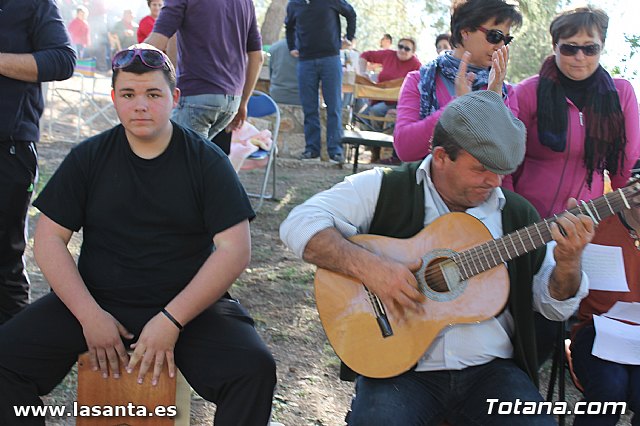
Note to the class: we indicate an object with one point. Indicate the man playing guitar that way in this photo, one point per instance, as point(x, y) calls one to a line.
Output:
point(476, 142)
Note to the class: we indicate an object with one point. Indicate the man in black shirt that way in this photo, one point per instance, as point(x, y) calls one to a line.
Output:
point(35, 48)
point(165, 233)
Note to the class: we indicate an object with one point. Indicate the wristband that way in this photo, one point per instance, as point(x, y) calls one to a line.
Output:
point(172, 319)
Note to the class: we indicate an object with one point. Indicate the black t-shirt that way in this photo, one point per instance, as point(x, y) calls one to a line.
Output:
point(148, 225)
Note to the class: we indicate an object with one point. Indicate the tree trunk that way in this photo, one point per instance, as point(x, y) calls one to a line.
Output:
point(273, 21)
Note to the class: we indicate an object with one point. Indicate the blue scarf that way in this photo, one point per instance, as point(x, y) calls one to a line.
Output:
point(448, 65)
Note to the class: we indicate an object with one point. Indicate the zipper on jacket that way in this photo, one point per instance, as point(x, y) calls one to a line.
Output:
point(580, 115)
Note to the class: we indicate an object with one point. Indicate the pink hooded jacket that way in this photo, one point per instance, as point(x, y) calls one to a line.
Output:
point(547, 178)
point(412, 135)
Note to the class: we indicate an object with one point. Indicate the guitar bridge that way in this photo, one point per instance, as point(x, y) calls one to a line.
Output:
point(381, 315)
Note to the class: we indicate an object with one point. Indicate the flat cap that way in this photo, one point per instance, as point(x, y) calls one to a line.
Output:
point(484, 127)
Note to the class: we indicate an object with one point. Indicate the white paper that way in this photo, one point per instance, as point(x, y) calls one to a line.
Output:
point(616, 341)
point(625, 311)
point(604, 266)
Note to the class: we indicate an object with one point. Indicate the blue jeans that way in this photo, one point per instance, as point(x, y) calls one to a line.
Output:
point(206, 114)
point(311, 72)
point(459, 396)
point(378, 110)
point(603, 380)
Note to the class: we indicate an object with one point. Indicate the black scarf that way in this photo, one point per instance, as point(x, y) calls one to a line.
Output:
point(605, 140)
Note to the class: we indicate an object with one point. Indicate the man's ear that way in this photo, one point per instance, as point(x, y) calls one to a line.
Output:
point(438, 154)
point(113, 95)
point(176, 97)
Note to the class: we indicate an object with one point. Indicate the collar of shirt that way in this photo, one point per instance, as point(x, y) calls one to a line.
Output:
point(435, 206)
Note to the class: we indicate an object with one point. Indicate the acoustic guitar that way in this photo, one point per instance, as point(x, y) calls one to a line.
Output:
point(463, 276)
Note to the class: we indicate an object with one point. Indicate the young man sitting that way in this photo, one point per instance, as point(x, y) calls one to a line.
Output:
point(165, 233)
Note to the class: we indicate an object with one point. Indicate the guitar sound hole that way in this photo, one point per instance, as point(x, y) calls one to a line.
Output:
point(434, 277)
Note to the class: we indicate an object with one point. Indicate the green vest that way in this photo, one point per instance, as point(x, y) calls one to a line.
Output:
point(400, 213)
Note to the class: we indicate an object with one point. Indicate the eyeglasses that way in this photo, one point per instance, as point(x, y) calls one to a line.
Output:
point(495, 36)
point(403, 47)
point(150, 57)
point(572, 50)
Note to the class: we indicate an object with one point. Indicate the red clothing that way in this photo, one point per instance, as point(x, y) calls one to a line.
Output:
point(611, 232)
point(145, 28)
point(79, 32)
point(392, 67)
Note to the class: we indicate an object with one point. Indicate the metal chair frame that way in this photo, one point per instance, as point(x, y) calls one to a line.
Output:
point(87, 92)
point(262, 105)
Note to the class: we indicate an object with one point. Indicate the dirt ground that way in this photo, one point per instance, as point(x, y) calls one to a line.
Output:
point(277, 289)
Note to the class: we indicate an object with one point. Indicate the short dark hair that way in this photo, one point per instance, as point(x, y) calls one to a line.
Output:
point(472, 13)
point(442, 138)
point(410, 40)
point(388, 37)
point(138, 67)
point(570, 22)
point(440, 37)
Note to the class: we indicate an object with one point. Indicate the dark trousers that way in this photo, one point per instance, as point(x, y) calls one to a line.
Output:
point(223, 140)
point(603, 381)
point(219, 353)
point(459, 396)
point(18, 165)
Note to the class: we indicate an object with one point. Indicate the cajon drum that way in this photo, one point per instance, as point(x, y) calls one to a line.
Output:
point(126, 395)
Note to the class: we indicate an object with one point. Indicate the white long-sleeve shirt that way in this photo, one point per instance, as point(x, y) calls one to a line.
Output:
point(349, 207)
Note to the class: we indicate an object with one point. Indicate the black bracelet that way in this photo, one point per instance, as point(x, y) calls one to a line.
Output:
point(173, 320)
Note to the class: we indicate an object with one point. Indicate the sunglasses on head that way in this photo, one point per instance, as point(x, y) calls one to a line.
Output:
point(495, 36)
point(572, 50)
point(150, 58)
point(404, 47)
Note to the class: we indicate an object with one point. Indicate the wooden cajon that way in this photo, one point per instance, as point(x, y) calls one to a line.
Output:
point(94, 390)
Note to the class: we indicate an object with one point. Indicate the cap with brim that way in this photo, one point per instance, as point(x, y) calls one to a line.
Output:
point(481, 124)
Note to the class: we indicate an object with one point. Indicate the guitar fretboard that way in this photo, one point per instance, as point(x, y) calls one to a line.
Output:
point(485, 256)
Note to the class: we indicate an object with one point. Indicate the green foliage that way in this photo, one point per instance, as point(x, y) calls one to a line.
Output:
point(375, 18)
point(400, 18)
point(623, 70)
point(533, 41)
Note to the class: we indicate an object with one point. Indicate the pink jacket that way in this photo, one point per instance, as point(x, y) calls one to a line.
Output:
point(547, 178)
point(412, 135)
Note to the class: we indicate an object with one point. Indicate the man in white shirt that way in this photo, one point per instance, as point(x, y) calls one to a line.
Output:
point(476, 142)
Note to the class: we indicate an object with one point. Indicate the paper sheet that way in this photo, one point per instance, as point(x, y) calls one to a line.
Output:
point(625, 311)
point(604, 266)
point(616, 341)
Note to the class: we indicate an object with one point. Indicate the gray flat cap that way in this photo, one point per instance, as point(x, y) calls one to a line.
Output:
point(484, 127)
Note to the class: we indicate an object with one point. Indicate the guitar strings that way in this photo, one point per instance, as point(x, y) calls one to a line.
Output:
point(476, 254)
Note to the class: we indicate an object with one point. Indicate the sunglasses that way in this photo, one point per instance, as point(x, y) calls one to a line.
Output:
point(403, 47)
point(572, 50)
point(495, 36)
point(150, 58)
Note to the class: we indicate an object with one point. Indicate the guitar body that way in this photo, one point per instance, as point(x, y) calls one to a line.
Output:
point(349, 319)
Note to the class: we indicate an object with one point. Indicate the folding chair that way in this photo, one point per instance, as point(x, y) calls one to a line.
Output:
point(362, 130)
point(261, 105)
point(89, 88)
point(388, 91)
point(562, 362)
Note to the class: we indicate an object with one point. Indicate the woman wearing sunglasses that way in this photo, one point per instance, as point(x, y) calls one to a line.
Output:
point(479, 35)
point(580, 121)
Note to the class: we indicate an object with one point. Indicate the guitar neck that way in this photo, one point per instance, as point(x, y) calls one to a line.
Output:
point(485, 256)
